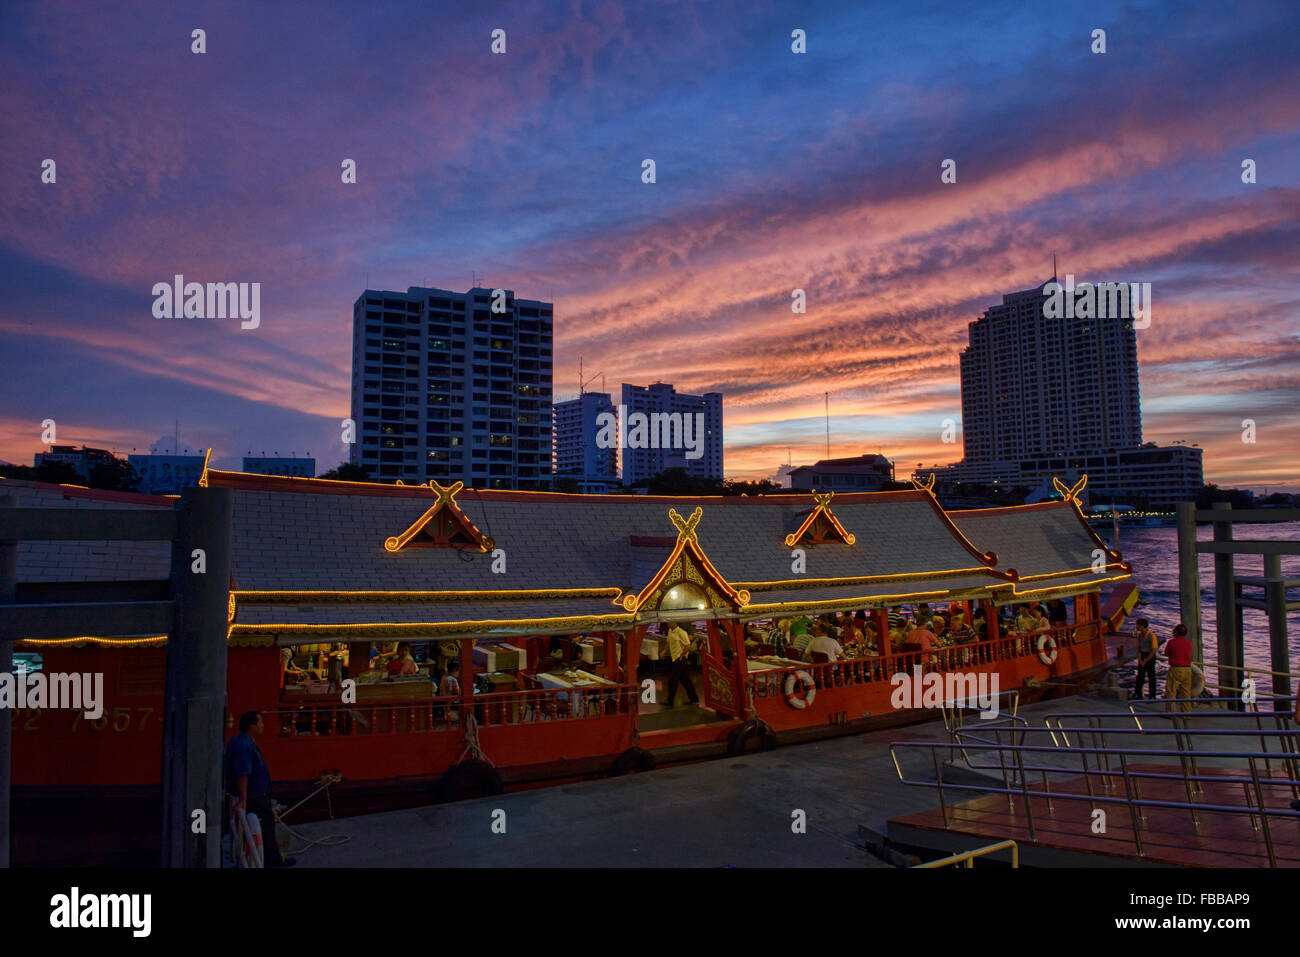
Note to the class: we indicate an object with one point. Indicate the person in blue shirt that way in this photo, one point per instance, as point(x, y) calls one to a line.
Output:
point(249, 780)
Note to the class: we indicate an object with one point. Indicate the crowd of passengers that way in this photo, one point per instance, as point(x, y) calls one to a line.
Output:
point(854, 634)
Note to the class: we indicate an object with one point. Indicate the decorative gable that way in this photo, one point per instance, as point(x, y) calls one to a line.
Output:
point(687, 579)
point(442, 526)
point(820, 526)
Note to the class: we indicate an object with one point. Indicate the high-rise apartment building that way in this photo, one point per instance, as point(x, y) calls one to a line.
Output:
point(658, 403)
point(453, 386)
point(1048, 396)
point(579, 453)
point(1038, 386)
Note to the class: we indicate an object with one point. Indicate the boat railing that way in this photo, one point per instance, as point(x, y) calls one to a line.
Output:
point(313, 719)
point(1119, 783)
point(946, 658)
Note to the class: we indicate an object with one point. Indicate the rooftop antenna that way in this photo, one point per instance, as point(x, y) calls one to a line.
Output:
point(1053, 265)
point(583, 382)
point(828, 425)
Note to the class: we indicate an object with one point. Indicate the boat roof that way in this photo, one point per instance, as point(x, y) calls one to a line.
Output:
point(314, 559)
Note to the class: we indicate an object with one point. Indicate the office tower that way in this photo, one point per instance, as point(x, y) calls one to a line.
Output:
point(452, 386)
point(656, 402)
point(578, 454)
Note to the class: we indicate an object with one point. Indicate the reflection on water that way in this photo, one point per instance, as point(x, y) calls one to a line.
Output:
point(1154, 554)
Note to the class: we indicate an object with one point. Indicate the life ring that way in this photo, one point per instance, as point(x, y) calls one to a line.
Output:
point(469, 779)
point(739, 738)
point(1046, 649)
point(796, 682)
point(1198, 681)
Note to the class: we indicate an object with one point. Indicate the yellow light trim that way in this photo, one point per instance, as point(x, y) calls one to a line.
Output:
point(1073, 571)
point(446, 499)
point(927, 487)
point(822, 508)
point(865, 580)
point(773, 607)
point(686, 540)
point(92, 640)
point(203, 476)
point(291, 597)
point(1078, 587)
point(362, 629)
point(1070, 493)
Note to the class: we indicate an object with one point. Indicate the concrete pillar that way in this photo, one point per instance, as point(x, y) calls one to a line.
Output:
point(194, 701)
point(1189, 576)
point(1275, 599)
point(1231, 654)
point(8, 594)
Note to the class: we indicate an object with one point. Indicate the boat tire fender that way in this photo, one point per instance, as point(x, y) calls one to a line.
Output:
point(739, 738)
point(633, 759)
point(469, 779)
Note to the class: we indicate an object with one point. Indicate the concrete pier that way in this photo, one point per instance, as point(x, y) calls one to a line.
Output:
point(732, 812)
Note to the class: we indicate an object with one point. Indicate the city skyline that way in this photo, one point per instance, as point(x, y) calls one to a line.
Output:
point(775, 171)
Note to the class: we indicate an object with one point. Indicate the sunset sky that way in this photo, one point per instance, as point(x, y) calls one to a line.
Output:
point(775, 171)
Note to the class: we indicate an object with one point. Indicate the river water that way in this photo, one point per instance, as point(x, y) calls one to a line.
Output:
point(1153, 553)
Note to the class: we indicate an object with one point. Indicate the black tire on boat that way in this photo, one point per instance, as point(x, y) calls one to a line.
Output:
point(740, 737)
point(633, 759)
point(469, 779)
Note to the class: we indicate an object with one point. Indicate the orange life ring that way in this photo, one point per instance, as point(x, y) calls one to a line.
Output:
point(1046, 649)
point(800, 691)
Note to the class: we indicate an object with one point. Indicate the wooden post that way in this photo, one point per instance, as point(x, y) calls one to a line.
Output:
point(8, 594)
point(1231, 654)
point(466, 679)
point(194, 702)
point(882, 633)
point(1189, 577)
point(611, 655)
point(1275, 599)
point(991, 630)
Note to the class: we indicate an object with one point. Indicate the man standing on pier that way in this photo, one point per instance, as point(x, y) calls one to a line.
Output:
point(248, 780)
point(1178, 683)
point(1146, 660)
point(679, 647)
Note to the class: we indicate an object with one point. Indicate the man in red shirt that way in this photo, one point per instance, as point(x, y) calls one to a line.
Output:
point(1178, 683)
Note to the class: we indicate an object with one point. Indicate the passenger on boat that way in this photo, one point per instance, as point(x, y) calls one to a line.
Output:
point(1041, 622)
point(1056, 612)
point(1024, 621)
point(450, 684)
point(402, 663)
point(291, 674)
point(979, 626)
point(781, 637)
point(923, 613)
point(799, 642)
point(679, 647)
point(823, 643)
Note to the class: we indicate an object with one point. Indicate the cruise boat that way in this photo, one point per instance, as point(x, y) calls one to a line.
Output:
point(554, 608)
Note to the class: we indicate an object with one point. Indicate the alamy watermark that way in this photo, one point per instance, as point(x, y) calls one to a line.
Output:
point(1103, 300)
point(953, 689)
point(653, 430)
point(77, 910)
point(215, 300)
point(54, 690)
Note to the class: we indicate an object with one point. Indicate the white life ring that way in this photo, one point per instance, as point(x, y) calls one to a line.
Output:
point(1046, 649)
point(798, 681)
point(1198, 680)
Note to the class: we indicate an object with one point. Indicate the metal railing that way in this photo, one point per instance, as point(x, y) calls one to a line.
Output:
point(1111, 768)
point(967, 858)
